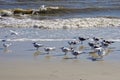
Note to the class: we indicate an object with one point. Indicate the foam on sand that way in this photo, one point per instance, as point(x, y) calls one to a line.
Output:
point(71, 23)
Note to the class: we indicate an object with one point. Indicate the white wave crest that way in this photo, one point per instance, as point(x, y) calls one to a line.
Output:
point(37, 39)
point(27, 39)
point(60, 23)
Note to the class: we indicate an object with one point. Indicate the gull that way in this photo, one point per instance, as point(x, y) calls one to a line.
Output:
point(96, 40)
point(65, 50)
point(93, 45)
point(1, 17)
point(100, 51)
point(72, 43)
point(81, 39)
point(43, 8)
point(6, 45)
point(37, 45)
point(48, 49)
point(13, 32)
point(106, 43)
point(109, 42)
point(76, 53)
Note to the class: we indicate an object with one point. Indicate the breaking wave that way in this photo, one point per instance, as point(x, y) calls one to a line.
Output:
point(71, 23)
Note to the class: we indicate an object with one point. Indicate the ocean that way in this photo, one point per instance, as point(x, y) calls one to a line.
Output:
point(74, 8)
point(85, 18)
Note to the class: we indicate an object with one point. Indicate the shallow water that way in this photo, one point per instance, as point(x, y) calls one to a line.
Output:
point(22, 48)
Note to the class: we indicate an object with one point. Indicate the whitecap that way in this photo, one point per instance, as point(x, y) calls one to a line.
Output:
point(72, 23)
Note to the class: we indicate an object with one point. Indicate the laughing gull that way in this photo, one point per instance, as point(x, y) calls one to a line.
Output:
point(93, 45)
point(108, 42)
point(6, 45)
point(48, 49)
point(100, 51)
point(37, 45)
point(76, 53)
point(81, 39)
point(65, 50)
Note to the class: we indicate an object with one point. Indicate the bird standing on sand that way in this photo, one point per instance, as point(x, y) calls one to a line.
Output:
point(65, 50)
point(37, 45)
point(109, 42)
point(93, 45)
point(72, 43)
point(48, 49)
point(6, 45)
point(76, 53)
point(95, 39)
point(81, 39)
point(100, 51)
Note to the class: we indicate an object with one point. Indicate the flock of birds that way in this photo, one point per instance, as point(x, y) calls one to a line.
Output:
point(98, 46)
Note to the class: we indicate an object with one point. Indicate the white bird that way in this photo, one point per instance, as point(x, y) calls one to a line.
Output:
point(1, 17)
point(6, 45)
point(95, 39)
point(43, 8)
point(48, 49)
point(100, 51)
point(72, 43)
point(76, 53)
point(37, 45)
point(13, 32)
point(65, 50)
point(81, 39)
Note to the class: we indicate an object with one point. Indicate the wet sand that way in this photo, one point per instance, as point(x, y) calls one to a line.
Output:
point(45, 70)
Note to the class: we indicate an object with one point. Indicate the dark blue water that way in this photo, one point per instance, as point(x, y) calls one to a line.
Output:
point(76, 8)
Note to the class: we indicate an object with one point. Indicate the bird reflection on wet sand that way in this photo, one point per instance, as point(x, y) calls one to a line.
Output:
point(6, 50)
point(95, 57)
point(37, 53)
point(48, 57)
point(81, 47)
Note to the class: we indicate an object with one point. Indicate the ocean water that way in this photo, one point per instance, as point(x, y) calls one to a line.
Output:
point(72, 14)
point(99, 17)
point(73, 8)
point(22, 47)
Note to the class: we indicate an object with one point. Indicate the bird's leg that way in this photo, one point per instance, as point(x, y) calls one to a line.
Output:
point(65, 53)
point(75, 57)
point(48, 52)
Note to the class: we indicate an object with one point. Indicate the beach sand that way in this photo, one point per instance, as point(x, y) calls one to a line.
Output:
point(64, 70)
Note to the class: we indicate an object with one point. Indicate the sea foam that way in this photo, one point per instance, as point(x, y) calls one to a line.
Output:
point(71, 23)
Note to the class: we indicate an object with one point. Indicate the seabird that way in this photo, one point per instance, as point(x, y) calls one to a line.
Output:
point(43, 8)
point(93, 45)
point(72, 43)
point(100, 51)
point(95, 39)
point(76, 53)
point(13, 32)
point(81, 39)
point(65, 50)
point(48, 49)
point(6, 45)
point(37, 45)
point(108, 42)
